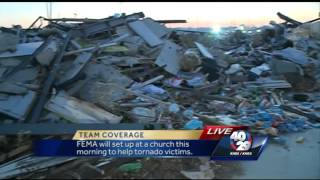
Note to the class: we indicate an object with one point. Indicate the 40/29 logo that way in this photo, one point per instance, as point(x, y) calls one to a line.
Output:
point(240, 140)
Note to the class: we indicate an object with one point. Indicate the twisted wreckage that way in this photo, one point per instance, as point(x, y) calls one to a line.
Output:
point(132, 72)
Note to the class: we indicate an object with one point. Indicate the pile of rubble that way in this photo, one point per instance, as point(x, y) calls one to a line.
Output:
point(133, 69)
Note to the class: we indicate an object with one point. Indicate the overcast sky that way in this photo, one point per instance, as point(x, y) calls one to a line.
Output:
point(201, 14)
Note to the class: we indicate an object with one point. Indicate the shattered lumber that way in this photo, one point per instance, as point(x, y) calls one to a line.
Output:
point(49, 82)
point(139, 94)
point(89, 49)
point(78, 111)
point(269, 84)
point(18, 106)
point(78, 64)
point(29, 164)
point(90, 20)
point(90, 29)
point(67, 128)
point(171, 21)
point(288, 19)
point(150, 81)
point(91, 71)
point(295, 110)
point(146, 33)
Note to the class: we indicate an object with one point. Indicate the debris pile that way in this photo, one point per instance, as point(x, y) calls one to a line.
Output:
point(133, 69)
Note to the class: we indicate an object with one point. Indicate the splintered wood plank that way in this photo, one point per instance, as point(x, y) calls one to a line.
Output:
point(79, 111)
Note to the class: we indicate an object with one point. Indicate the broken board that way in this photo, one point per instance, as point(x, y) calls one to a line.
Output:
point(29, 164)
point(18, 106)
point(204, 51)
point(143, 31)
point(157, 28)
point(78, 111)
point(293, 55)
point(103, 94)
point(23, 49)
point(12, 88)
point(107, 74)
point(268, 83)
point(78, 64)
point(170, 57)
point(47, 54)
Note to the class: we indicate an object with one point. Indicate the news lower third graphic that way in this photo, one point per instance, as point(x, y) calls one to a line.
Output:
point(216, 142)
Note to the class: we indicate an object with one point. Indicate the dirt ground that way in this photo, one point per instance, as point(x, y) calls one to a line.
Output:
point(292, 161)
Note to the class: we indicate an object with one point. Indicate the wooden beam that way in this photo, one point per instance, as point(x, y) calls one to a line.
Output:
point(79, 111)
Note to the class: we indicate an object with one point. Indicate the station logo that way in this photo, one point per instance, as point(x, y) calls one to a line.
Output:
point(235, 142)
point(240, 140)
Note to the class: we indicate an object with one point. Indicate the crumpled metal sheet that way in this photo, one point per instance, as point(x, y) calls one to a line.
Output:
point(29, 163)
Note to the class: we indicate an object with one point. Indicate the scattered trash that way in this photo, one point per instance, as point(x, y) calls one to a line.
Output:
point(194, 174)
point(260, 69)
point(315, 125)
point(280, 140)
point(174, 108)
point(173, 82)
point(188, 113)
point(300, 139)
point(272, 131)
point(301, 97)
point(130, 167)
point(143, 115)
point(222, 106)
point(193, 124)
point(227, 120)
point(197, 81)
point(205, 173)
point(152, 89)
point(190, 60)
point(134, 69)
point(234, 68)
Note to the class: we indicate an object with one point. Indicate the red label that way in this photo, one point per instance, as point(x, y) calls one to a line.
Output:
point(217, 132)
